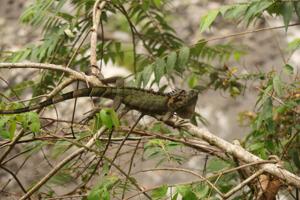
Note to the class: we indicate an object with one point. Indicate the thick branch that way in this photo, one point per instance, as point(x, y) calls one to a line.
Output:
point(77, 75)
point(240, 153)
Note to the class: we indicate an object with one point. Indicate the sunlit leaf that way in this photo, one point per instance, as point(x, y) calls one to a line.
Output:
point(33, 121)
point(208, 19)
point(183, 56)
point(147, 72)
point(159, 69)
point(171, 61)
point(106, 119)
point(160, 193)
point(288, 69)
point(287, 13)
point(277, 84)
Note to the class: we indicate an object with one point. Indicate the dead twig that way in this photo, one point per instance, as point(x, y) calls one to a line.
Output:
point(98, 6)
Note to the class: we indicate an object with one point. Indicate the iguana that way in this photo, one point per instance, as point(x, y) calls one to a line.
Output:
point(146, 101)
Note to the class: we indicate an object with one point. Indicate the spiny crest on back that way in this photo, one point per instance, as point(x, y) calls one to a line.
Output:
point(175, 92)
point(149, 91)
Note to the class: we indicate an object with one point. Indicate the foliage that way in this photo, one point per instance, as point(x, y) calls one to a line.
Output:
point(156, 56)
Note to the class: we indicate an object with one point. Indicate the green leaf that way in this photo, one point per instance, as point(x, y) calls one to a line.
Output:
point(281, 109)
point(98, 122)
point(186, 192)
point(114, 118)
point(208, 19)
point(106, 119)
point(193, 81)
point(255, 9)
point(147, 72)
point(33, 121)
point(160, 193)
point(171, 61)
point(266, 94)
point(3, 121)
point(293, 45)
point(159, 69)
point(288, 69)
point(296, 158)
point(109, 118)
point(61, 178)
point(237, 55)
point(157, 2)
point(278, 86)
point(97, 194)
point(101, 190)
point(256, 146)
point(270, 146)
point(183, 56)
point(175, 196)
point(266, 113)
point(4, 134)
point(216, 165)
point(138, 79)
point(59, 148)
point(287, 13)
point(234, 12)
point(12, 128)
point(297, 8)
point(267, 109)
point(224, 9)
point(202, 190)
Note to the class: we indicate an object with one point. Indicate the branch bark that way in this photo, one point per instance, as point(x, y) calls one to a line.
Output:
point(238, 152)
point(75, 74)
point(95, 70)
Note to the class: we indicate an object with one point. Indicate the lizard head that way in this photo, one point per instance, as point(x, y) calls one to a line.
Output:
point(184, 103)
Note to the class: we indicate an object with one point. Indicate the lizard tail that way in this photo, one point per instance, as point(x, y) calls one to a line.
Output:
point(56, 99)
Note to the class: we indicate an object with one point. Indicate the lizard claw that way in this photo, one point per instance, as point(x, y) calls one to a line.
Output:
point(174, 121)
point(180, 122)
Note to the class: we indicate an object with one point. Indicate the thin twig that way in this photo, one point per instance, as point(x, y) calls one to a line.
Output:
point(277, 99)
point(242, 184)
point(196, 144)
point(12, 89)
point(15, 177)
point(62, 164)
point(206, 179)
point(75, 52)
point(130, 167)
point(96, 19)
point(248, 32)
point(60, 87)
point(12, 144)
point(74, 110)
point(127, 135)
point(88, 148)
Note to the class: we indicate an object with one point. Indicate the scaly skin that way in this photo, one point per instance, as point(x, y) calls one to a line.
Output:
point(145, 101)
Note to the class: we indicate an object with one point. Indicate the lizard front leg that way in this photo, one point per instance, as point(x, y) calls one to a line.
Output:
point(172, 120)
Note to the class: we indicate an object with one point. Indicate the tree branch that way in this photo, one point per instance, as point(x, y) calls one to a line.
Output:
point(236, 151)
point(96, 19)
point(77, 75)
